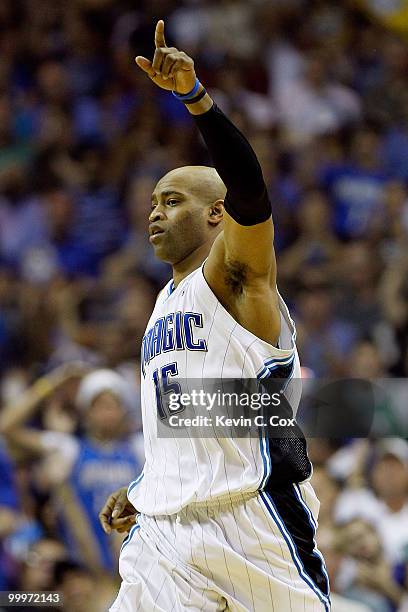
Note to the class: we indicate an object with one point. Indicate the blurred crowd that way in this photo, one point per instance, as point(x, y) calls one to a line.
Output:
point(320, 89)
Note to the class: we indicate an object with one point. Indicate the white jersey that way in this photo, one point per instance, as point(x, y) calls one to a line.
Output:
point(192, 336)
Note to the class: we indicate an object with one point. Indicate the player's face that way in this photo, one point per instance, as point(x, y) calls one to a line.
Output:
point(178, 220)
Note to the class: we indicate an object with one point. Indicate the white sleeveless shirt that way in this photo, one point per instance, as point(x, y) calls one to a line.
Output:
point(190, 335)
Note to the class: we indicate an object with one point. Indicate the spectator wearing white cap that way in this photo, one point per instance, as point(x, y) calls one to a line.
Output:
point(80, 471)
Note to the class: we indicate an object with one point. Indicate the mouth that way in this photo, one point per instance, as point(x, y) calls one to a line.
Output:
point(155, 234)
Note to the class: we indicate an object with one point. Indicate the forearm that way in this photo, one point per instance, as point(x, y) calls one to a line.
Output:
point(17, 414)
point(390, 589)
point(247, 199)
point(236, 163)
point(7, 521)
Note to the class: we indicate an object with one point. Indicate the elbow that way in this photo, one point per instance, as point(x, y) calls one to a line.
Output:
point(248, 209)
point(7, 427)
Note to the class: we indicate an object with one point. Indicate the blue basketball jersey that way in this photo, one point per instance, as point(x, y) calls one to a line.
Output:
point(98, 471)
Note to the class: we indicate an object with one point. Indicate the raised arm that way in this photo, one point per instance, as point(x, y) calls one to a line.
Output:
point(15, 416)
point(241, 268)
point(248, 229)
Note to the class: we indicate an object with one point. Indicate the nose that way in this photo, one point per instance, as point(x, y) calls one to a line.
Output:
point(157, 214)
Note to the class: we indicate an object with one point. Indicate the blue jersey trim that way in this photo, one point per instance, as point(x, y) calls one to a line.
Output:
point(266, 458)
point(272, 510)
point(270, 365)
point(134, 483)
point(129, 536)
point(171, 287)
point(313, 524)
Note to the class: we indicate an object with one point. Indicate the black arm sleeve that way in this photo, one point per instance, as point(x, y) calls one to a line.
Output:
point(247, 198)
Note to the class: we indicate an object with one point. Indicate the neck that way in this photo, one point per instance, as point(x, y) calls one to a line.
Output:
point(102, 438)
point(190, 263)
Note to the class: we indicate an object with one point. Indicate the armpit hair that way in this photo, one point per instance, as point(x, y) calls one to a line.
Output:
point(235, 276)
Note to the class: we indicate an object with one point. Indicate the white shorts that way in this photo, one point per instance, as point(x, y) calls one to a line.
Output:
point(257, 554)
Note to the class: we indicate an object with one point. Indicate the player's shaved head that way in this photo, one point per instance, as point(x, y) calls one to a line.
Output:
point(203, 182)
point(187, 210)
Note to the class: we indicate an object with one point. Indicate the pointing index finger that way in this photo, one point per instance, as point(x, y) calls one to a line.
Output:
point(159, 39)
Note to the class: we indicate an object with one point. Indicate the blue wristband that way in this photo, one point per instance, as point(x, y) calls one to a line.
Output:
point(189, 95)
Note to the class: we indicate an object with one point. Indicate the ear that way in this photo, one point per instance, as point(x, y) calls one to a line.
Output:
point(216, 213)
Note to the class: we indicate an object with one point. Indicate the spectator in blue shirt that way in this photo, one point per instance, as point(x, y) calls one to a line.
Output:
point(8, 511)
point(357, 187)
point(79, 472)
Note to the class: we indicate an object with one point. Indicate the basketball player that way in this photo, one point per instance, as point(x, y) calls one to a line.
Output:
point(222, 523)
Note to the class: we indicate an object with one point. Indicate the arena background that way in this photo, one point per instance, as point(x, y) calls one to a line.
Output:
point(321, 90)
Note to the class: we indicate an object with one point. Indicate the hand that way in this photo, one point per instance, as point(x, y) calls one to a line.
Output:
point(118, 513)
point(50, 383)
point(378, 576)
point(68, 371)
point(374, 574)
point(170, 69)
point(9, 521)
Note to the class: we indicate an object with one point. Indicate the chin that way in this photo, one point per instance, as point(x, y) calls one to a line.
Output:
point(163, 255)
